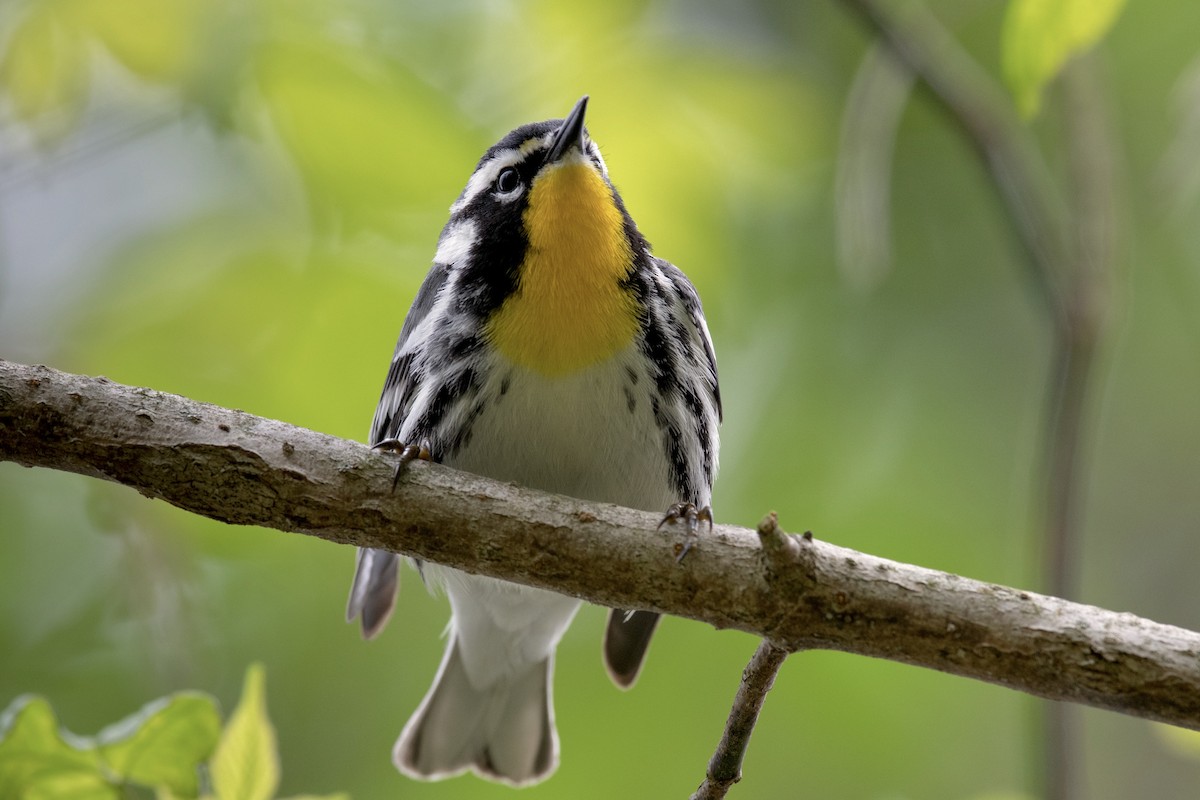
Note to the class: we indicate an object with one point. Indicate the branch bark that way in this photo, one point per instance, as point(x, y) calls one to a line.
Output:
point(799, 593)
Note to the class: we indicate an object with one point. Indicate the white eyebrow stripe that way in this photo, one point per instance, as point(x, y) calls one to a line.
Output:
point(486, 175)
point(483, 178)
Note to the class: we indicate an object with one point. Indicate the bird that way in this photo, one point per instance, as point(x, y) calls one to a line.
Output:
point(547, 346)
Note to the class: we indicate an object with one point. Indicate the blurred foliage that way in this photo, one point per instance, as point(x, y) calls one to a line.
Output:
point(237, 199)
point(245, 763)
point(1040, 37)
point(162, 747)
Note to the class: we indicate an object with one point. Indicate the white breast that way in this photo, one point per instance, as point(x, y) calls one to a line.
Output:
point(590, 434)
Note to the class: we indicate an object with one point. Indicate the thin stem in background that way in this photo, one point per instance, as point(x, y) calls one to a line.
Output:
point(985, 114)
point(1090, 177)
point(1069, 254)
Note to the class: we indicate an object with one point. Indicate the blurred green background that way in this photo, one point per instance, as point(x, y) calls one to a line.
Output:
point(236, 201)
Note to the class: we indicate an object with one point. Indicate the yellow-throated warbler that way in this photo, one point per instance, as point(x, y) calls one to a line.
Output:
point(547, 346)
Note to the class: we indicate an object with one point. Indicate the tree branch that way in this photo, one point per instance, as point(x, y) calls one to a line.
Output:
point(242, 469)
point(725, 766)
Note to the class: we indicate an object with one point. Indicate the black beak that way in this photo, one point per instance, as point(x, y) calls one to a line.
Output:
point(570, 135)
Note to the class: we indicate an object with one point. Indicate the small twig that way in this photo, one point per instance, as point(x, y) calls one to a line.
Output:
point(781, 553)
point(725, 766)
point(780, 550)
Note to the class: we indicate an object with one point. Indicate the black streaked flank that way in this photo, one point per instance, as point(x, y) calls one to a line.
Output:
point(672, 441)
point(692, 401)
point(461, 346)
point(394, 408)
point(681, 474)
point(706, 446)
point(690, 298)
point(423, 303)
point(456, 388)
point(462, 436)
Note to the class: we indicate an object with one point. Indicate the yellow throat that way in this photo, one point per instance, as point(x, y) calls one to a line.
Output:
point(569, 310)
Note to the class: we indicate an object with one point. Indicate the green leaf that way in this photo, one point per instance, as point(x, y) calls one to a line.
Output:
point(1040, 36)
point(38, 763)
point(338, 796)
point(42, 71)
point(159, 41)
point(246, 764)
point(163, 744)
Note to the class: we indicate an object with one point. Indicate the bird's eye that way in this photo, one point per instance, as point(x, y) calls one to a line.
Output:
point(508, 181)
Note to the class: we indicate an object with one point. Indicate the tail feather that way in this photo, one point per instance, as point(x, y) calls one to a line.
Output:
point(625, 641)
point(504, 731)
point(373, 592)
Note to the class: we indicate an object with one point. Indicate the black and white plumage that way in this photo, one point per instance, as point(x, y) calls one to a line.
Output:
point(635, 426)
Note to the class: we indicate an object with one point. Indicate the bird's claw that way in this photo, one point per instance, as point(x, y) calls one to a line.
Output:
point(406, 453)
point(692, 517)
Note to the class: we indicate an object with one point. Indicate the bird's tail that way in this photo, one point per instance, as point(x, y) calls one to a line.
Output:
point(373, 593)
point(505, 732)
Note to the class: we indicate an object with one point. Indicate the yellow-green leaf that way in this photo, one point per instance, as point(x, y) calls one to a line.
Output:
point(42, 70)
point(36, 760)
point(159, 40)
point(246, 763)
point(164, 743)
point(1040, 36)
